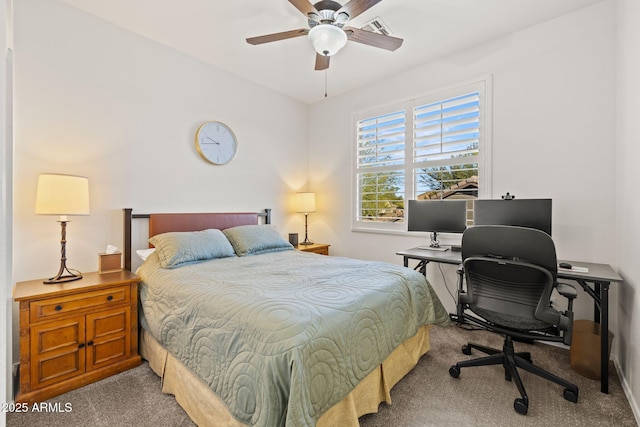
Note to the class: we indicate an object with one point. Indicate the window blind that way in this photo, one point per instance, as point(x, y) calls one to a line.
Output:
point(381, 149)
point(446, 141)
point(428, 148)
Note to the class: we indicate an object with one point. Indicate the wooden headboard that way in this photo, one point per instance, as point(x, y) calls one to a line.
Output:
point(166, 222)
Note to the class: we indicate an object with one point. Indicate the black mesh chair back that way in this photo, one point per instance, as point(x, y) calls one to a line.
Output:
point(507, 277)
point(525, 244)
point(511, 272)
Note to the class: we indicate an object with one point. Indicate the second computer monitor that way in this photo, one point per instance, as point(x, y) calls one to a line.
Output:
point(531, 213)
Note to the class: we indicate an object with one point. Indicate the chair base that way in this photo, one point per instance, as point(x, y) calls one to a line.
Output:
point(511, 360)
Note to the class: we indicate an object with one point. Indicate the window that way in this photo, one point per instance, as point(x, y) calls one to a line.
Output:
point(435, 147)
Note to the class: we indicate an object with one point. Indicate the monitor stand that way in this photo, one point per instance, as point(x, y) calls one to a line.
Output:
point(434, 244)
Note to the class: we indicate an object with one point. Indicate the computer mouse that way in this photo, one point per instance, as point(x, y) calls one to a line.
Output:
point(565, 265)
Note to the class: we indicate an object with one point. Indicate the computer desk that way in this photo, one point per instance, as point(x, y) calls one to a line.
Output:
point(595, 283)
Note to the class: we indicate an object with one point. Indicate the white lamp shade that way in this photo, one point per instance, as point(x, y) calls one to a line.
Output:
point(305, 202)
point(62, 195)
point(327, 39)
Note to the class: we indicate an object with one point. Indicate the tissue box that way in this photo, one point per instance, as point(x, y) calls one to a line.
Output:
point(109, 263)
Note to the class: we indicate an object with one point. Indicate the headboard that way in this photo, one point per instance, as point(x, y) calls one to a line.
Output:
point(166, 222)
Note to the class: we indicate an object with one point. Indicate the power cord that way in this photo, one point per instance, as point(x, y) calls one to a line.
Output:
point(464, 325)
point(444, 279)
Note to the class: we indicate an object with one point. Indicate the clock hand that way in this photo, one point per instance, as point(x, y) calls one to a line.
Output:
point(214, 141)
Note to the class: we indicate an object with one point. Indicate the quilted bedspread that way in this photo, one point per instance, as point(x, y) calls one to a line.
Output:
point(281, 337)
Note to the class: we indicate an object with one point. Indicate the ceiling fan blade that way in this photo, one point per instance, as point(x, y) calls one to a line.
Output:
point(373, 39)
point(304, 6)
point(278, 36)
point(356, 7)
point(322, 62)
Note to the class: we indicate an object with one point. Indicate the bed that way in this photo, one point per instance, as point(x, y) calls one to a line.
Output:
point(246, 331)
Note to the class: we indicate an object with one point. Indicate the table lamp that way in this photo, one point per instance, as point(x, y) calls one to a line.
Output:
point(306, 203)
point(62, 195)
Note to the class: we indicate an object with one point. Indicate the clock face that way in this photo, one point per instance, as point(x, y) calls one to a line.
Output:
point(216, 143)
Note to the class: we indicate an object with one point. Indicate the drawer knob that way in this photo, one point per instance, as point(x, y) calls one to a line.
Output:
point(109, 298)
point(90, 343)
point(58, 307)
point(81, 345)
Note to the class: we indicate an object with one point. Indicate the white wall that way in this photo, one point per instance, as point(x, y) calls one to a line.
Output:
point(627, 201)
point(553, 136)
point(93, 99)
point(5, 203)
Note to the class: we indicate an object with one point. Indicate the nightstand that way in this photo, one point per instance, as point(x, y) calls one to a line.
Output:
point(316, 248)
point(75, 333)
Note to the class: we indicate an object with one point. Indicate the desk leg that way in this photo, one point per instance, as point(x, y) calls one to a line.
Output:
point(597, 288)
point(600, 295)
point(604, 337)
point(423, 268)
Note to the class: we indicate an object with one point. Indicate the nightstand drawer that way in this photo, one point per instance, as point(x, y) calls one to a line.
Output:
point(322, 251)
point(50, 308)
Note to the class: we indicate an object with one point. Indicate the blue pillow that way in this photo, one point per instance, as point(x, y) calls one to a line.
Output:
point(178, 248)
point(256, 239)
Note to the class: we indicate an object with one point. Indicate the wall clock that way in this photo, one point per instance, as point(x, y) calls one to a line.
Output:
point(216, 143)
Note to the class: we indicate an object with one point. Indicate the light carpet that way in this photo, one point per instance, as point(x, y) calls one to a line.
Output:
point(427, 396)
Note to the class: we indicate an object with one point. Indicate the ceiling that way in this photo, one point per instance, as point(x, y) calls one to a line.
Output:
point(214, 31)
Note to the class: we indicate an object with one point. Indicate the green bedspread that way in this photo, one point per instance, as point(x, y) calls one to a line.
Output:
point(282, 337)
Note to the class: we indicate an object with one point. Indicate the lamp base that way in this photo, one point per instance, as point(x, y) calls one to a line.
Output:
point(62, 279)
point(306, 237)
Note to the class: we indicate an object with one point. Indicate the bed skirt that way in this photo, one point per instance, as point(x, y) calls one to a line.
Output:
point(207, 409)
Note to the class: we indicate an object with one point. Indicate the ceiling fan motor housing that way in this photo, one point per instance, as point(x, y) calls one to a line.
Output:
point(327, 14)
point(327, 5)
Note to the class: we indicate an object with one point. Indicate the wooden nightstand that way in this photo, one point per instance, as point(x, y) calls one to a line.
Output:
point(316, 248)
point(75, 333)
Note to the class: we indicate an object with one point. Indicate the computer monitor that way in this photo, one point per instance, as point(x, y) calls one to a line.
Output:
point(437, 216)
point(531, 213)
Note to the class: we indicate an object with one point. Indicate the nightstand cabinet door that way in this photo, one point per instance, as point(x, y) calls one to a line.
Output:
point(108, 340)
point(57, 351)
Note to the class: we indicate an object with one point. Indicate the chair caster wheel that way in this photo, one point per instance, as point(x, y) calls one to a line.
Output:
point(520, 406)
point(466, 349)
point(454, 371)
point(570, 395)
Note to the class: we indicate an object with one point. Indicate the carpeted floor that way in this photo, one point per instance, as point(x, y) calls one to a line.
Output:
point(428, 396)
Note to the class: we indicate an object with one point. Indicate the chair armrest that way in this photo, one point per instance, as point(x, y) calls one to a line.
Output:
point(462, 295)
point(570, 293)
point(566, 290)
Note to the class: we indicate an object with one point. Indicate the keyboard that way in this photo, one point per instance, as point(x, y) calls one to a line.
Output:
point(429, 248)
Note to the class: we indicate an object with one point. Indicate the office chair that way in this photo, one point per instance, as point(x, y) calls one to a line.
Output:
point(510, 273)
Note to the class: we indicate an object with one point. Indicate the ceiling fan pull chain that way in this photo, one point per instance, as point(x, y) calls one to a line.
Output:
point(325, 82)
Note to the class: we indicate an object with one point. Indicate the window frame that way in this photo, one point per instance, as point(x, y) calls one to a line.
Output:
point(481, 85)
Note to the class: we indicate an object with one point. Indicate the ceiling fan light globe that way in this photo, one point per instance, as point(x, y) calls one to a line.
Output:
point(327, 39)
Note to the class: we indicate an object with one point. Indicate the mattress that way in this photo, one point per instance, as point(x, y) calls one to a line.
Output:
point(281, 338)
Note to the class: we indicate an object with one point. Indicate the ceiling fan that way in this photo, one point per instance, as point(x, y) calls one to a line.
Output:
point(327, 30)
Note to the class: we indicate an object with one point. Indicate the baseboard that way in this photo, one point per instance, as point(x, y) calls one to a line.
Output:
point(627, 391)
point(635, 408)
point(16, 380)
